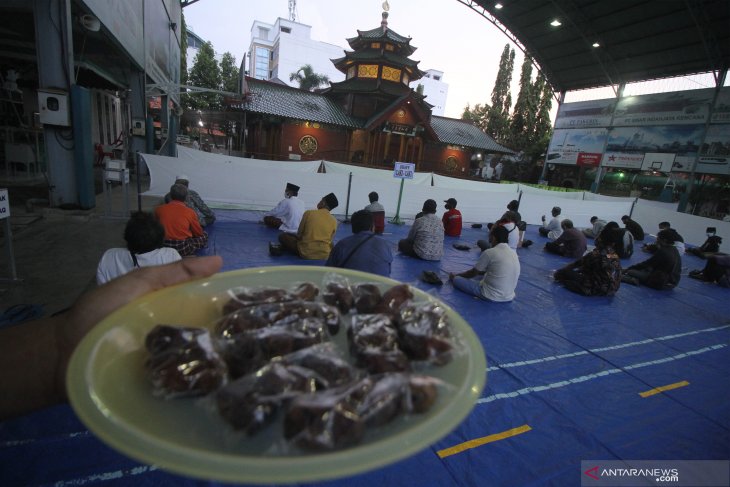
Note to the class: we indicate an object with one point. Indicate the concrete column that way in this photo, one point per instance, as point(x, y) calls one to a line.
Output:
point(54, 48)
point(138, 109)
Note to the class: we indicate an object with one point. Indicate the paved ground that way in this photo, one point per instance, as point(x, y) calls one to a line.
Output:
point(57, 251)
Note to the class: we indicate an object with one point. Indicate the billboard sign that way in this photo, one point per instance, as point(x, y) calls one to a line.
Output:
point(594, 113)
point(567, 144)
point(675, 108)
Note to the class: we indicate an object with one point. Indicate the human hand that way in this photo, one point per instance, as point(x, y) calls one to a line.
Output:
point(34, 356)
point(95, 305)
point(543, 218)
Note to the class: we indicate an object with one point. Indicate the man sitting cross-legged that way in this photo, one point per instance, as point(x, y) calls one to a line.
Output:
point(182, 228)
point(313, 240)
point(499, 266)
point(364, 250)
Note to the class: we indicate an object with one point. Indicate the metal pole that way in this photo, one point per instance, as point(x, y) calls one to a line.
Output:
point(599, 170)
point(9, 248)
point(139, 182)
point(682, 207)
point(396, 219)
point(347, 205)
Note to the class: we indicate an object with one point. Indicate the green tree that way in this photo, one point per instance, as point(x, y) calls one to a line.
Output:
point(543, 126)
point(229, 73)
point(205, 73)
point(499, 113)
point(308, 79)
point(477, 115)
point(523, 117)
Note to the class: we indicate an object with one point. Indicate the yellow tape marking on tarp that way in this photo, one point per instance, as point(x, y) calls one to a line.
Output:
point(676, 385)
point(447, 452)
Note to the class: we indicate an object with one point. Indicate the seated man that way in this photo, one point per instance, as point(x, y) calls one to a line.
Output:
point(451, 219)
point(595, 230)
point(205, 215)
point(661, 270)
point(378, 212)
point(598, 273)
point(182, 228)
point(676, 238)
point(512, 214)
point(717, 269)
point(620, 239)
point(500, 267)
point(633, 227)
point(313, 240)
point(364, 250)
point(570, 243)
point(710, 247)
point(286, 215)
point(514, 234)
point(144, 236)
point(425, 240)
point(552, 229)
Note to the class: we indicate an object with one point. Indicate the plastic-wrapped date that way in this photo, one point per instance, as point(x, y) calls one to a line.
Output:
point(423, 332)
point(183, 362)
point(263, 315)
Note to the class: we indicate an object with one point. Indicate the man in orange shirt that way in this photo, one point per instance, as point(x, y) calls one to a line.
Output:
point(182, 228)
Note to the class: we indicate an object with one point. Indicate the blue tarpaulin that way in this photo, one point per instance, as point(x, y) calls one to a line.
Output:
point(642, 375)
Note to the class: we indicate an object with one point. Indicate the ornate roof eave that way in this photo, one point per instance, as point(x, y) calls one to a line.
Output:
point(421, 111)
point(377, 34)
point(369, 86)
point(390, 57)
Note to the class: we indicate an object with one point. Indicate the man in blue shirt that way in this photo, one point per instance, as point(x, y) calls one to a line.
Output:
point(363, 251)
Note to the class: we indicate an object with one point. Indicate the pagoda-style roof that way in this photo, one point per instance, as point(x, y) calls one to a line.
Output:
point(370, 86)
point(461, 132)
point(382, 34)
point(414, 102)
point(273, 99)
point(287, 102)
point(373, 55)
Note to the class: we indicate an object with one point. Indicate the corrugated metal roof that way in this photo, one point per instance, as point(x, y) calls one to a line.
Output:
point(285, 101)
point(460, 132)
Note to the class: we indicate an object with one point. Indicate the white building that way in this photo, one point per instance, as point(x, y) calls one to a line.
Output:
point(280, 49)
point(434, 89)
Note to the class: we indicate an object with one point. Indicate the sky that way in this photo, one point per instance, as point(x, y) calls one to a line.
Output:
point(450, 36)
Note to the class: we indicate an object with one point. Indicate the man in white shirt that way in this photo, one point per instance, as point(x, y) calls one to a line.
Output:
point(287, 215)
point(552, 229)
point(500, 268)
point(144, 236)
point(498, 171)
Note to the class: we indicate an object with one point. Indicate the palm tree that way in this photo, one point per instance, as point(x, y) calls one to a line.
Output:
point(308, 79)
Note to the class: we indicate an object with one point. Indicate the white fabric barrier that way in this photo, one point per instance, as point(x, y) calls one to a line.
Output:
point(221, 182)
point(419, 178)
point(563, 195)
point(460, 184)
point(259, 185)
point(199, 156)
point(692, 228)
point(588, 196)
point(533, 206)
